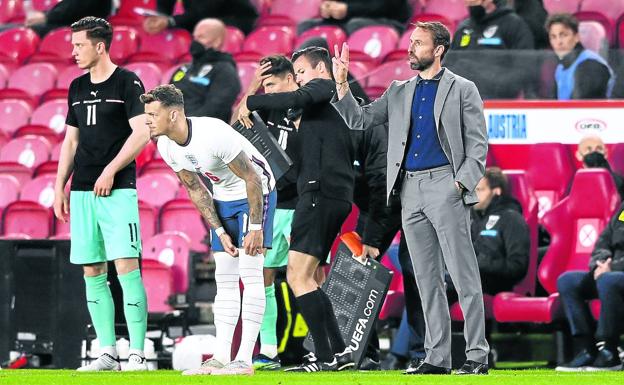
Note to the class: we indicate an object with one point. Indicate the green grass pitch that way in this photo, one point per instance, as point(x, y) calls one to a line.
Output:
point(169, 377)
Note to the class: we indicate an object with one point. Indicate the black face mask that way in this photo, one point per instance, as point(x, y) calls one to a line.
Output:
point(597, 160)
point(477, 12)
point(197, 49)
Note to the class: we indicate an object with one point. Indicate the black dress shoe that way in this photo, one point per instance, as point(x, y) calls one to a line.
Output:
point(473, 367)
point(425, 368)
point(414, 364)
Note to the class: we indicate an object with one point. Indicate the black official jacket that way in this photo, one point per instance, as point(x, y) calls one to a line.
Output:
point(68, 11)
point(610, 244)
point(500, 237)
point(502, 29)
point(327, 152)
point(209, 84)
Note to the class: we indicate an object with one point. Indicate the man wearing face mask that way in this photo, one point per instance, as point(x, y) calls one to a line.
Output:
point(593, 153)
point(210, 83)
point(581, 73)
point(495, 34)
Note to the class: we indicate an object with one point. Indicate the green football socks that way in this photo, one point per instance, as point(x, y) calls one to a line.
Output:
point(268, 330)
point(135, 307)
point(101, 309)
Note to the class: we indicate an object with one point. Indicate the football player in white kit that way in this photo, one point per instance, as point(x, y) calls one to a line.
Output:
point(240, 215)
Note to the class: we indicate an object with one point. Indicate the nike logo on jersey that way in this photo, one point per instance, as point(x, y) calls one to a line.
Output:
point(134, 304)
point(97, 301)
point(94, 93)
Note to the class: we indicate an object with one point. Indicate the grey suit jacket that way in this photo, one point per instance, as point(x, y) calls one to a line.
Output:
point(458, 113)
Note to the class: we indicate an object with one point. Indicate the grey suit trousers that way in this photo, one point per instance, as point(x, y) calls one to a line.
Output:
point(437, 229)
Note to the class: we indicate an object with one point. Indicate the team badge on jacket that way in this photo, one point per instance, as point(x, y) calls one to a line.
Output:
point(492, 220)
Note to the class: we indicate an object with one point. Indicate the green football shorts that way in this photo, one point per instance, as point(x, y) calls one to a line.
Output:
point(277, 256)
point(104, 228)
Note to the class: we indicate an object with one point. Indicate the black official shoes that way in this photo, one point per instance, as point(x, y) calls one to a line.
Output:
point(368, 363)
point(425, 368)
point(605, 360)
point(473, 367)
point(344, 360)
point(579, 363)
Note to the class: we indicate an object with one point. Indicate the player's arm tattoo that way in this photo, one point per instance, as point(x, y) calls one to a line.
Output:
point(242, 167)
point(201, 197)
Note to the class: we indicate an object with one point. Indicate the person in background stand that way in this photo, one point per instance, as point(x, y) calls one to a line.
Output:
point(210, 83)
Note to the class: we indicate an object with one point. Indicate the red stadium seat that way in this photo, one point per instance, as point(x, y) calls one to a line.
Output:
point(616, 158)
point(20, 172)
point(38, 130)
point(181, 215)
point(9, 10)
point(360, 72)
point(44, 5)
point(9, 190)
point(55, 47)
point(594, 35)
point(40, 190)
point(157, 189)
point(612, 9)
point(3, 139)
point(15, 113)
point(168, 74)
point(267, 41)
point(66, 76)
point(519, 189)
point(171, 249)
point(46, 168)
point(158, 281)
point(549, 183)
point(56, 151)
point(246, 70)
point(574, 226)
point(125, 44)
point(381, 77)
point(290, 12)
point(334, 36)
point(125, 14)
point(156, 166)
point(372, 43)
point(149, 73)
point(183, 193)
point(17, 44)
point(395, 298)
point(562, 6)
point(164, 48)
point(400, 53)
point(26, 217)
point(32, 80)
point(4, 75)
point(29, 151)
point(454, 10)
point(51, 114)
point(234, 39)
point(146, 154)
point(148, 217)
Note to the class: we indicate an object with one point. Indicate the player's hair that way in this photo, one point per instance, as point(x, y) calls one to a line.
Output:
point(315, 55)
point(439, 33)
point(280, 65)
point(497, 179)
point(167, 94)
point(98, 30)
point(566, 19)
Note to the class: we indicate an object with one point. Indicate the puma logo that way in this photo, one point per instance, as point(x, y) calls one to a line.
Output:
point(134, 247)
point(134, 304)
point(138, 83)
point(94, 93)
point(97, 301)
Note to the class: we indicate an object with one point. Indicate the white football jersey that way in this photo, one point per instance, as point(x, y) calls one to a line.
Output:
point(211, 145)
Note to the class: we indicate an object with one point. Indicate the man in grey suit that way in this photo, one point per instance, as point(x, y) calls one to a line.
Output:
point(436, 156)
